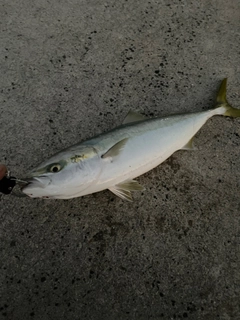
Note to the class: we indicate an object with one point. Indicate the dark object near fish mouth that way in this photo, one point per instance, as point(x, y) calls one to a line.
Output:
point(7, 184)
point(13, 186)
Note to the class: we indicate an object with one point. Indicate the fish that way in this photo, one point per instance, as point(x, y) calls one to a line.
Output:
point(113, 160)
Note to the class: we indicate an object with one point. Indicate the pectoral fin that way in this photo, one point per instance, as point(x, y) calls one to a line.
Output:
point(189, 145)
point(123, 190)
point(115, 150)
point(133, 117)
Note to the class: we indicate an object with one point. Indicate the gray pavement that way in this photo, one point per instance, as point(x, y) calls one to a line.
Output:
point(73, 69)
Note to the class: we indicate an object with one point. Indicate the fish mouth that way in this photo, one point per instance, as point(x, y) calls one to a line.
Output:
point(35, 182)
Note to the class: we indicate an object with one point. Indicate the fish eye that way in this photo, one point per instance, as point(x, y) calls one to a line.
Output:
point(55, 168)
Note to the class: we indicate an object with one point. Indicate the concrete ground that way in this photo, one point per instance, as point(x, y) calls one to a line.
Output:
point(72, 69)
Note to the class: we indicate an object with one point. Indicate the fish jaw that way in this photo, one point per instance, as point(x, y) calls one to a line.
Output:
point(36, 186)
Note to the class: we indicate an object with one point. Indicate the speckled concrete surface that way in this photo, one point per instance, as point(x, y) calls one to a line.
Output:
point(72, 69)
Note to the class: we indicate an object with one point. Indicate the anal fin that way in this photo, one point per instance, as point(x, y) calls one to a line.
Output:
point(123, 190)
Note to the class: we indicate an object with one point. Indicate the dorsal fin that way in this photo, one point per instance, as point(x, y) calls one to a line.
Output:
point(133, 117)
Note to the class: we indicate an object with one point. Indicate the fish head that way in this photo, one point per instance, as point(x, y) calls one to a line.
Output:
point(63, 176)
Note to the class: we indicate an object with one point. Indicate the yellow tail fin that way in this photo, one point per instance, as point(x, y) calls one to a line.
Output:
point(222, 101)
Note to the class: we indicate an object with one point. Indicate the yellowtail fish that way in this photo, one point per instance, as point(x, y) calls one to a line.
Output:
point(114, 159)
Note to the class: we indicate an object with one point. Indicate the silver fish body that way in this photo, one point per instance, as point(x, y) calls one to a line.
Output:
point(114, 159)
